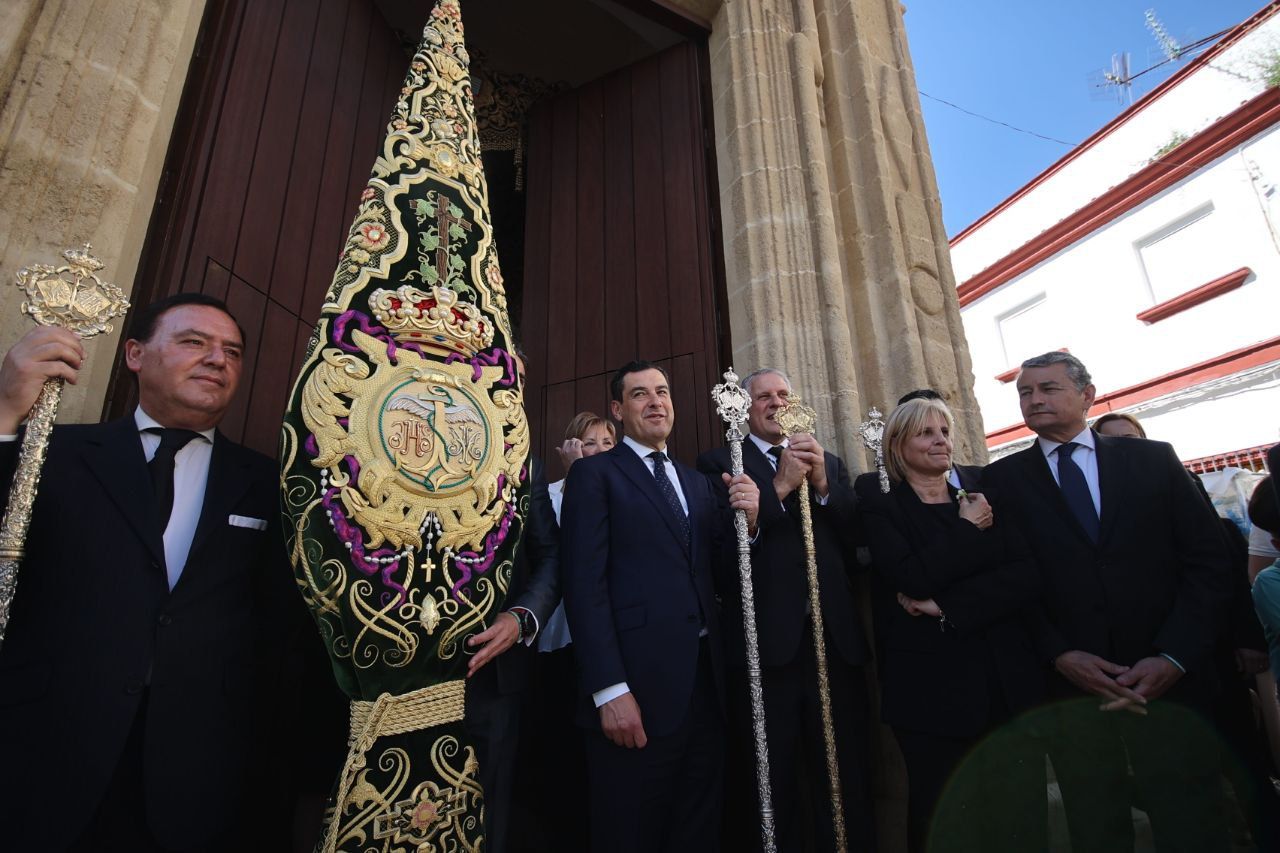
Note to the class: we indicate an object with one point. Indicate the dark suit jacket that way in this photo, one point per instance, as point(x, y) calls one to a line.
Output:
point(960, 681)
point(1158, 581)
point(778, 565)
point(94, 623)
point(535, 586)
point(635, 592)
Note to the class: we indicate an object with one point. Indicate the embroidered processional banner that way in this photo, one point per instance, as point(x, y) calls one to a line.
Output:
point(404, 455)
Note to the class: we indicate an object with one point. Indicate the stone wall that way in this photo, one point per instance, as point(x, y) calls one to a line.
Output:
point(836, 258)
point(89, 90)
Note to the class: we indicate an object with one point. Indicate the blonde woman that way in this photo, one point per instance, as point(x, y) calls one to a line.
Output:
point(950, 587)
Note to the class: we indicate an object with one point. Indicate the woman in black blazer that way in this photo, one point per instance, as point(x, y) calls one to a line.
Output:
point(951, 588)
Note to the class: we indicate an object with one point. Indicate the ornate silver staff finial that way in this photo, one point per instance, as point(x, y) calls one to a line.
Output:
point(73, 297)
point(872, 432)
point(732, 404)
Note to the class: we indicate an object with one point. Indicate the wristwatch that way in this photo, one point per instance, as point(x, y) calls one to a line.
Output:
point(528, 626)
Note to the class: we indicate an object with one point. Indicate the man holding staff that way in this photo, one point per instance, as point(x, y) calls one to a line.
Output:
point(153, 603)
point(777, 464)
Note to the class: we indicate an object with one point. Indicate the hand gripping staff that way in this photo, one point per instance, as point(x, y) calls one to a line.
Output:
point(73, 297)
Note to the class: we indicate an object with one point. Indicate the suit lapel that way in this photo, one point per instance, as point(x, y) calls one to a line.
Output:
point(121, 467)
point(1110, 483)
point(1036, 469)
point(228, 480)
point(638, 472)
point(756, 464)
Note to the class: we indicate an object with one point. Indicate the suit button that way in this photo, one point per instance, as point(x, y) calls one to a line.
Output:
point(165, 620)
point(133, 688)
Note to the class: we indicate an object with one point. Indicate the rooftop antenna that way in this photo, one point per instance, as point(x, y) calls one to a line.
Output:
point(1168, 44)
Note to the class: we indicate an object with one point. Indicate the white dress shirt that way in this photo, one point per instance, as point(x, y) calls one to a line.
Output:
point(555, 634)
point(613, 691)
point(190, 476)
point(1086, 458)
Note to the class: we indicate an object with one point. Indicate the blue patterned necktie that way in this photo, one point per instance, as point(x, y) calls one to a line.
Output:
point(1076, 490)
point(669, 491)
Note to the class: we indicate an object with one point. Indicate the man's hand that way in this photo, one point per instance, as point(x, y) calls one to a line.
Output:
point(569, 452)
point(975, 509)
point(806, 448)
point(45, 352)
point(1096, 675)
point(744, 494)
point(495, 640)
point(915, 607)
point(792, 468)
point(1151, 677)
point(620, 720)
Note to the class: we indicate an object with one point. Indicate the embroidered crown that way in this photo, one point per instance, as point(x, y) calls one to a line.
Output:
point(437, 319)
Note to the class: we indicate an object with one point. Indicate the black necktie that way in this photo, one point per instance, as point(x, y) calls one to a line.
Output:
point(669, 491)
point(776, 453)
point(1076, 491)
point(161, 468)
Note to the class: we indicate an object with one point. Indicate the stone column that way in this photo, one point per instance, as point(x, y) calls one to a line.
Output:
point(836, 258)
point(89, 90)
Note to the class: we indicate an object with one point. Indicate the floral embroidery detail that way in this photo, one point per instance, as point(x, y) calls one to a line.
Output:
point(372, 236)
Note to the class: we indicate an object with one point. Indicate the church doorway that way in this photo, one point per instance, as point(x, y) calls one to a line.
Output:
point(595, 119)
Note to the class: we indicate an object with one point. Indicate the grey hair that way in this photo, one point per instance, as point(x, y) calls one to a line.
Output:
point(751, 377)
point(1076, 371)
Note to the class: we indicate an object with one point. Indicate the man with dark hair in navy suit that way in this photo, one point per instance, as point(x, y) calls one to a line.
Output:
point(639, 534)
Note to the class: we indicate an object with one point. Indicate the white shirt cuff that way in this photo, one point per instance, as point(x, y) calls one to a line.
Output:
point(1171, 659)
point(610, 693)
point(8, 438)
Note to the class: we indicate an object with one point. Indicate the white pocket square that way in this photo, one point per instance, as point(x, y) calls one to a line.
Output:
point(246, 521)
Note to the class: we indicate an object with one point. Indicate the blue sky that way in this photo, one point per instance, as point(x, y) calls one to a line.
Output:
point(1032, 63)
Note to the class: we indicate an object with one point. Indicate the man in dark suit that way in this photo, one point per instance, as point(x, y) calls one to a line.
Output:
point(1136, 580)
point(640, 532)
point(151, 610)
point(494, 691)
point(777, 465)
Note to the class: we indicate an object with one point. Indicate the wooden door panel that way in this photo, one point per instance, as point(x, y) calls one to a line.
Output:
point(272, 148)
point(618, 258)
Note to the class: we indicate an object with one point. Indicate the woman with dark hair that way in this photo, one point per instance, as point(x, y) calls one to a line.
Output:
point(950, 589)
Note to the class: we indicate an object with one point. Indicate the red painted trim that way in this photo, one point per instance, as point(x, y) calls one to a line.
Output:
point(1215, 368)
point(1192, 298)
point(1012, 373)
point(1250, 458)
point(1107, 129)
point(1247, 121)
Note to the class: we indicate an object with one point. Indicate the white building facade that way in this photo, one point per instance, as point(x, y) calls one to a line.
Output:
point(1151, 252)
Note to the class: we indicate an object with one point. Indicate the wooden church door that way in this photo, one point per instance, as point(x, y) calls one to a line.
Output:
point(620, 248)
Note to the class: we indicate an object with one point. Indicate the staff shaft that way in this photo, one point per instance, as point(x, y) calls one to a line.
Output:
point(22, 493)
point(820, 656)
point(756, 687)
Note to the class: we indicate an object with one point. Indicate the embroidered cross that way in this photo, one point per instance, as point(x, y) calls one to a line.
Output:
point(444, 219)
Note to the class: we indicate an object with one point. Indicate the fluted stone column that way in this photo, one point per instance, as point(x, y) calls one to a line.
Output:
point(89, 90)
point(837, 261)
